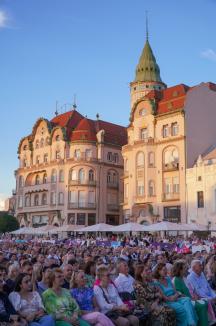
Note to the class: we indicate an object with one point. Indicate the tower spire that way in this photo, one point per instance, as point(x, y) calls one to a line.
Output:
point(147, 31)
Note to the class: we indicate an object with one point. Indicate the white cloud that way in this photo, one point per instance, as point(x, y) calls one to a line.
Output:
point(209, 54)
point(3, 19)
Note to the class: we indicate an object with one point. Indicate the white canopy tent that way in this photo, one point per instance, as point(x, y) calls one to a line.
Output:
point(101, 227)
point(130, 227)
point(46, 229)
point(65, 228)
point(164, 226)
point(193, 227)
point(24, 230)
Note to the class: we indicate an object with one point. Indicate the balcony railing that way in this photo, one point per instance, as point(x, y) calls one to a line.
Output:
point(81, 205)
point(114, 185)
point(82, 183)
point(171, 166)
point(112, 207)
point(171, 196)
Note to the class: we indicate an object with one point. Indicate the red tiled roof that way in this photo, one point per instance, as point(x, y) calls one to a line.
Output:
point(85, 130)
point(114, 134)
point(63, 119)
point(79, 128)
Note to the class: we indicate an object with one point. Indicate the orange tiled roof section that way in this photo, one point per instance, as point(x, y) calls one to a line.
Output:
point(85, 130)
point(170, 99)
point(79, 128)
point(114, 134)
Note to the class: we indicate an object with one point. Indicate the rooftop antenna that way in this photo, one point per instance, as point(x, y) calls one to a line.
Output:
point(56, 111)
point(147, 31)
point(74, 103)
point(97, 116)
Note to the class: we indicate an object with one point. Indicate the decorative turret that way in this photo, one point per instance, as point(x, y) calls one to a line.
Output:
point(147, 75)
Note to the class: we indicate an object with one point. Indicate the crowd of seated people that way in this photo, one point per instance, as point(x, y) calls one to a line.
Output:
point(47, 285)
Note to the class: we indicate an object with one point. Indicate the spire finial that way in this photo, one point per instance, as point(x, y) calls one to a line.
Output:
point(56, 111)
point(74, 104)
point(147, 32)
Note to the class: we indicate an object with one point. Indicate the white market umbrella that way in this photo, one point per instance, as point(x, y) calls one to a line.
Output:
point(193, 227)
point(65, 228)
point(130, 227)
point(101, 227)
point(164, 226)
point(24, 230)
point(45, 229)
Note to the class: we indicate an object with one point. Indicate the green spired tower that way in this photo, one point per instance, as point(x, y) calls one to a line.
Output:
point(147, 75)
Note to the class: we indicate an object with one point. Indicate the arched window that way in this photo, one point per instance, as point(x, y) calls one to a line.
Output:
point(45, 158)
point(114, 177)
point(57, 155)
point(37, 159)
point(53, 176)
point(25, 162)
point(37, 179)
point(61, 176)
point(109, 177)
point(57, 138)
point(151, 159)
point(140, 159)
point(25, 147)
point(91, 175)
point(81, 176)
point(61, 198)
point(42, 142)
point(21, 181)
point(72, 175)
point(36, 200)
point(151, 188)
point(27, 201)
point(44, 199)
point(45, 178)
point(171, 156)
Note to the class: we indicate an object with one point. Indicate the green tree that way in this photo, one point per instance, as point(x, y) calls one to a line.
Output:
point(8, 223)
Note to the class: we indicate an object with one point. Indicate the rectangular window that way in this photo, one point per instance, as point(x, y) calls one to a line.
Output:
point(165, 131)
point(174, 129)
point(200, 199)
point(77, 153)
point(140, 188)
point(72, 196)
point(176, 185)
point(172, 214)
point(53, 198)
point(81, 198)
point(91, 218)
point(109, 156)
point(144, 133)
point(71, 218)
point(167, 186)
point(88, 153)
point(80, 218)
point(45, 158)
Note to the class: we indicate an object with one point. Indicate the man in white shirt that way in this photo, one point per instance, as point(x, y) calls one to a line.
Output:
point(124, 282)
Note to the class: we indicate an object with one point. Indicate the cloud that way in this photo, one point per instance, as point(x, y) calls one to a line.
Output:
point(209, 54)
point(3, 19)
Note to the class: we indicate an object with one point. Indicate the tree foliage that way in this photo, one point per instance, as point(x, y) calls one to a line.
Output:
point(8, 223)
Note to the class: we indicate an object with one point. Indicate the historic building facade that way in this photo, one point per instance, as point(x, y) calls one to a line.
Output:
point(164, 139)
point(201, 189)
point(70, 170)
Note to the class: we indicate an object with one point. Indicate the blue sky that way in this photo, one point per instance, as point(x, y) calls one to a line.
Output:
point(53, 49)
